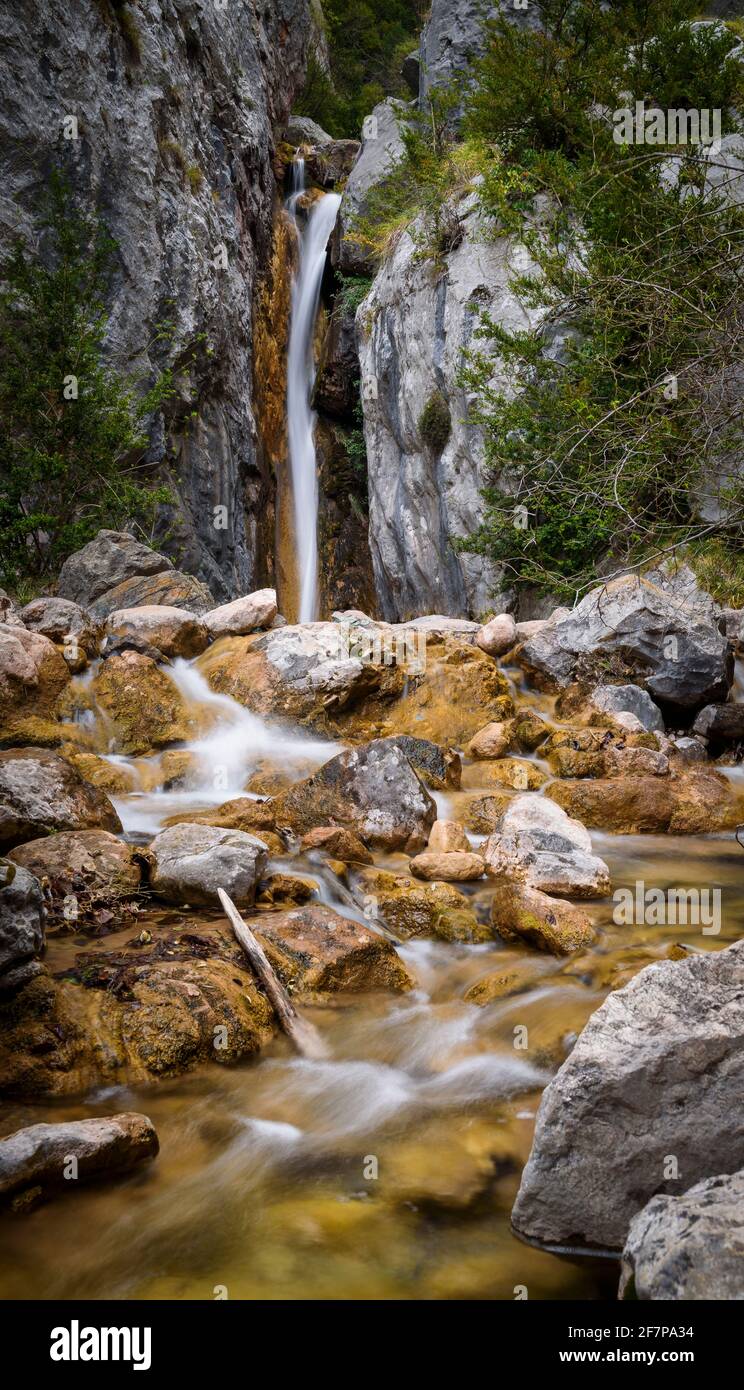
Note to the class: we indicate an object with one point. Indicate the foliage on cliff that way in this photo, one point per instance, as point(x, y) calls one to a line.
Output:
point(73, 437)
point(367, 41)
point(628, 411)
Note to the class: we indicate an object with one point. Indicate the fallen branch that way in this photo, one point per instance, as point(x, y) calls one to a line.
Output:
point(304, 1035)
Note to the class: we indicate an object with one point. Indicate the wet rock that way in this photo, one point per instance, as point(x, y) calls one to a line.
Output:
point(41, 1154)
point(63, 622)
point(112, 778)
point(695, 804)
point(22, 919)
point(143, 706)
point(689, 1247)
point(339, 844)
point(171, 589)
point(382, 148)
point(519, 912)
point(455, 866)
point(494, 740)
point(240, 813)
point(667, 638)
point(372, 790)
point(500, 984)
point(330, 162)
point(315, 949)
point(95, 856)
point(483, 814)
point(190, 862)
point(531, 729)
point(721, 723)
point(653, 1075)
point(243, 615)
point(411, 909)
point(284, 891)
point(498, 635)
point(629, 699)
point(33, 675)
point(300, 671)
point(172, 631)
point(447, 836)
point(506, 772)
point(566, 761)
point(621, 761)
point(440, 768)
point(40, 792)
point(337, 381)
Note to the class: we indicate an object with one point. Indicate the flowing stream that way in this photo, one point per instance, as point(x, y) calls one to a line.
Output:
point(300, 380)
point(387, 1171)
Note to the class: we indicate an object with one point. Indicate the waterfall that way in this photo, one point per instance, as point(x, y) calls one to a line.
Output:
point(300, 380)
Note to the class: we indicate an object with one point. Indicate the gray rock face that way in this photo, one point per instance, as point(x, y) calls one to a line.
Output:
point(372, 790)
point(413, 330)
point(652, 1086)
point(39, 1155)
point(382, 148)
point(39, 792)
point(670, 643)
point(21, 926)
point(190, 862)
point(197, 87)
point(337, 382)
point(689, 1247)
point(629, 699)
point(455, 34)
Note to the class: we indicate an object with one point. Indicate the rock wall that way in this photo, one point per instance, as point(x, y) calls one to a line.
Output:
point(414, 329)
point(176, 103)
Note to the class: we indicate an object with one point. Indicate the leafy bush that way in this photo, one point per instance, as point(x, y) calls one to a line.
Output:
point(74, 432)
point(434, 423)
point(365, 39)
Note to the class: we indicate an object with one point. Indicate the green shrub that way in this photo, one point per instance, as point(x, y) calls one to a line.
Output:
point(434, 423)
point(365, 39)
point(74, 431)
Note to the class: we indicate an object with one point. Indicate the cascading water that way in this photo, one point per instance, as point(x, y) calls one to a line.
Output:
point(300, 381)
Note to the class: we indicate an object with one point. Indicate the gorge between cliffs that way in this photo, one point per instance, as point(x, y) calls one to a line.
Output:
point(371, 654)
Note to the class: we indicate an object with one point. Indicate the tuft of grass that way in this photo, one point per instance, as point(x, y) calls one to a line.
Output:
point(195, 177)
point(435, 423)
point(720, 572)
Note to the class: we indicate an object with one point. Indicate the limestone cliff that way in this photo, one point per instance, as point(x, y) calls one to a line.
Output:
point(163, 115)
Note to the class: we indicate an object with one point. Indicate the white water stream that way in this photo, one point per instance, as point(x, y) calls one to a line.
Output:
point(300, 381)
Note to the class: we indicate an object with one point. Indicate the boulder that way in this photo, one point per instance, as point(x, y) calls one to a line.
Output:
point(40, 792)
point(381, 149)
point(40, 1155)
point(647, 1091)
point(33, 675)
point(190, 862)
point(243, 615)
point(439, 768)
point(720, 723)
point(22, 919)
point(519, 912)
point(303, 130)
point(498, 635)
point(109, 558)
point(689, 1247)
point(144, 708)
point(315, 949)
point(667, 638)
point(455, 866)
point(9, 614)
point(483, 814)
point(372, 790)
point(171, 588)
point(447, 836)
point(63, 622)
point(339, 844)
point(628, 699)
point(95, 857)
point(494, 740)
point(697, 803)
point(331, 161)
point(413, 909)
point(172, 631)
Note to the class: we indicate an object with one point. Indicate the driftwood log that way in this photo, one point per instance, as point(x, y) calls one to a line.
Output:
point(303, 1034)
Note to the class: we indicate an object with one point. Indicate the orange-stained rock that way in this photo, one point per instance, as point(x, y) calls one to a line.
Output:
point(550, 924)
point(453, 867)
point(143, 707)
point(315, 949)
